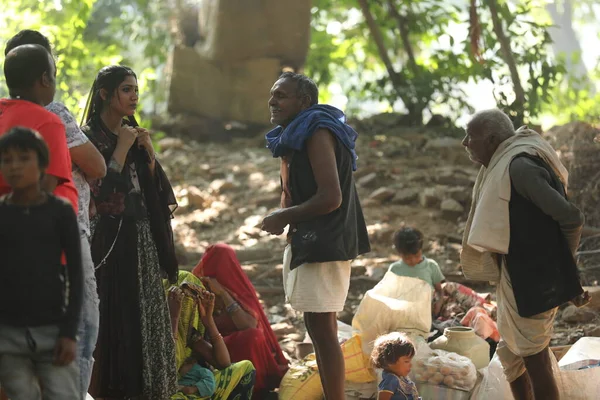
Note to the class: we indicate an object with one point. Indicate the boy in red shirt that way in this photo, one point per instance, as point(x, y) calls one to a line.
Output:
point(30, 75)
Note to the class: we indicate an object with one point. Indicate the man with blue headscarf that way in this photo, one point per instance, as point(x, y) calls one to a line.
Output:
point(320, 204)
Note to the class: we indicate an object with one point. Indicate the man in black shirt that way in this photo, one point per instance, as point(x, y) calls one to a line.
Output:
point(320, 204)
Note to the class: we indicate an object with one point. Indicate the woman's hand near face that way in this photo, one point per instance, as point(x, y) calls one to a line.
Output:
point(206, 305)
point(126, 136)
point(213, 285)
point(144, 141)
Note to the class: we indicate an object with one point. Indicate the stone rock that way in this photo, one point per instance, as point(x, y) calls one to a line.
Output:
point(452, 206)
point(430, 197)
point(359, 173)
point(197, 198)
point(573, 314)
point(383, 235)
point(234, 31)
point(454, 180)
point(593, 331)
point(366, 203)
point(382, 194)
point(282, 329)
point(594, 291)
point(406, 196)
point(367, 179)
point(221, 91)
point(449, 149)
point(220, 185)
point(460, 194)
point(444, 143)
point(170, 143)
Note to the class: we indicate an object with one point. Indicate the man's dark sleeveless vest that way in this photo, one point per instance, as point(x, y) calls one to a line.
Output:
point(338, 236)
point(541, 267)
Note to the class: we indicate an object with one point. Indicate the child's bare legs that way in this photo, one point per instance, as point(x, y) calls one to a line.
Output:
point(322, 328)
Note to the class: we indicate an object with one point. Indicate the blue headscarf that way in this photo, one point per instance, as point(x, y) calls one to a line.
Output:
point(280, 141)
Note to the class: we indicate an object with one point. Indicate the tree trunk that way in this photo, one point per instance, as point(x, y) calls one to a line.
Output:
point(378, 37)
point(404, 35)
point(565, 41)
point(415, 113)
point(509, 59)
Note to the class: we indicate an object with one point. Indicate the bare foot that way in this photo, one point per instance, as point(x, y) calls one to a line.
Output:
point(582, 299)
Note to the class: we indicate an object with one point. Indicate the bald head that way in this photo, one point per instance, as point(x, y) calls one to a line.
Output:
point(492, 122)
point(486, 130)
point(29, 69)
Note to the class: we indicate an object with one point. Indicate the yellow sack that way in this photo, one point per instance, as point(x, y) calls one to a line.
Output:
point(358, 366)
point(302, 381)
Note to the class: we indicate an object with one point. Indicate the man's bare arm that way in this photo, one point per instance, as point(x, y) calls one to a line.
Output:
point(328, 198)
point(89, 160)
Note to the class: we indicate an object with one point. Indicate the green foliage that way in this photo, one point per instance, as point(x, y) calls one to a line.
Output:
point(574, 99)
point(530, 44)
point(87, 35)
point(64, 22)
point(435, 76)
point(443, 64)
point(426, 42)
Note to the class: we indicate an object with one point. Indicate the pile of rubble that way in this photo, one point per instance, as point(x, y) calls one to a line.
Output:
point(581, 155)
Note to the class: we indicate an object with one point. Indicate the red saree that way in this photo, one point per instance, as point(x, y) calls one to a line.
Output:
point(258, 345)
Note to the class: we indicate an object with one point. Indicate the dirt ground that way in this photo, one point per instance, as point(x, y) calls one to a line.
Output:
point(406, 176)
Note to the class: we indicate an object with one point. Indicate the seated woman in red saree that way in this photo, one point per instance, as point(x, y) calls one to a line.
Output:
point(240, 317)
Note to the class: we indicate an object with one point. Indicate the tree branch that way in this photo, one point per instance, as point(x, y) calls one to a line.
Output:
point(508, 56)
point(404, 35)
point(378, 37)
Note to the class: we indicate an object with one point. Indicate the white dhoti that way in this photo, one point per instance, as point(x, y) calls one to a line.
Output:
point(520, 337)
point(316, 287)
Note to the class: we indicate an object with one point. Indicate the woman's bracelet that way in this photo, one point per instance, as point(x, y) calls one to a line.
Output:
point(217, 336)
point(233, 307)
point(114, 165)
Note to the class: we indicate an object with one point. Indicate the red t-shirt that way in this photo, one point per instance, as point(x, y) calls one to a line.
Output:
point(30, 115)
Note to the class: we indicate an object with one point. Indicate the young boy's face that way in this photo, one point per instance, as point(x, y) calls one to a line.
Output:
point(402, 366)
point(412, 259)
point(20, 168)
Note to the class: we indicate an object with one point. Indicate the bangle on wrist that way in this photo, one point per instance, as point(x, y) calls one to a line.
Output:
point(114, 165)
point(233, 307)
point(217, 336)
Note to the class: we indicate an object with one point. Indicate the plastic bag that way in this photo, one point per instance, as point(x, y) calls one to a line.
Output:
point(302, 381)
point(396, 303)
point(442, 368)
point(358, 368)
point(572, 385)
point(586, 348)
point(494, 385)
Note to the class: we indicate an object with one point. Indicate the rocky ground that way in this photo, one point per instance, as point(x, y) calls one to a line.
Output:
point(415, 176)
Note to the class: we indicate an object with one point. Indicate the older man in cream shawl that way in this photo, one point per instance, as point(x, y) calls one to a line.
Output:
point(522, 232)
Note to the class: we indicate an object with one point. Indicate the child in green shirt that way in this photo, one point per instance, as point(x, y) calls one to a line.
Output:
point(409, 244)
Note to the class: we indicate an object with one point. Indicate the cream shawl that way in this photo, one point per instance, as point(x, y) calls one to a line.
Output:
point(488, 227)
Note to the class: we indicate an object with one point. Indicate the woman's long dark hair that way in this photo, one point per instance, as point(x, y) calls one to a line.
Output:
point(109, 78)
